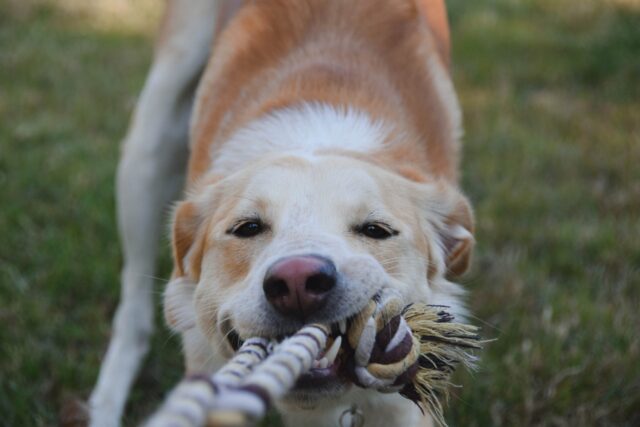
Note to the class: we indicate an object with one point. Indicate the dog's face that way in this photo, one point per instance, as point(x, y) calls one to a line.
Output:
point(291, 240)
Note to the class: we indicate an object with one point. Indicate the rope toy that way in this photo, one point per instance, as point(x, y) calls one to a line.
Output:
point(412, 350)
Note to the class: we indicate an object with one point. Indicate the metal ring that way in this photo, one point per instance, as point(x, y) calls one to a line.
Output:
point(356, 417)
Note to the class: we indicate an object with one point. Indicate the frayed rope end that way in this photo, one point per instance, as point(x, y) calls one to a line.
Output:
point(444, 344)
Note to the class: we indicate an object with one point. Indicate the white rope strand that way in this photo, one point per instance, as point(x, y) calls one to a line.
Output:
point(274, 377)
point(190, 402)
point(244, 388)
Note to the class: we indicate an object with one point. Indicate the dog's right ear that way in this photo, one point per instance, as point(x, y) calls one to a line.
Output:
point(450, 216)
point(188, 240)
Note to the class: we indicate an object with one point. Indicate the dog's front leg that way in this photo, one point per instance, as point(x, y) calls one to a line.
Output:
point(150, 176)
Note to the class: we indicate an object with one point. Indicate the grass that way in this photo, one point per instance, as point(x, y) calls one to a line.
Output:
point(551, 95)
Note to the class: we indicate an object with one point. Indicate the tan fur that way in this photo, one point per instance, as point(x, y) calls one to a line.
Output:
point(435, 13)
point(280, 53)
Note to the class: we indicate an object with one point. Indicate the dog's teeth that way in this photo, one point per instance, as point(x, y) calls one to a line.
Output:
point(331, 354)
point(343, 326)
point(323, 363)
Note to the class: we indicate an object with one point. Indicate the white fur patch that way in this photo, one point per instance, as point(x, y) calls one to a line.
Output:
point(301, 131)
point(447, 94)
point(178, 304)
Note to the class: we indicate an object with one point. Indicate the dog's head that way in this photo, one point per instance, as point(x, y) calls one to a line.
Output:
point(290, 240)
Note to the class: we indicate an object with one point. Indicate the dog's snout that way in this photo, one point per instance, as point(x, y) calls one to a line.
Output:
point(299, 286)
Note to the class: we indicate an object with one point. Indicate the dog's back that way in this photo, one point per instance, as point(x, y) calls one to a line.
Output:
point(380, 57)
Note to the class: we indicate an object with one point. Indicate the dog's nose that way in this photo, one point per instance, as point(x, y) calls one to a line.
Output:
point(299, 286)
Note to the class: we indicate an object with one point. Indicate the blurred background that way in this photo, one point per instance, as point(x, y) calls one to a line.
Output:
point(551, 95)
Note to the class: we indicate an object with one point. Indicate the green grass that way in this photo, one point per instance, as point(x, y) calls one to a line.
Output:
point(551, 95)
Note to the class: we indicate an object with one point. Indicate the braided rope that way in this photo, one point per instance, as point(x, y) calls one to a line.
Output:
point(412, 350)
point(384, 345)
point(190, 402)
point(243, 389)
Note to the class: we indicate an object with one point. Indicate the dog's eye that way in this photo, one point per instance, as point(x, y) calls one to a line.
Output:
point(376, 231)
point(248, 229)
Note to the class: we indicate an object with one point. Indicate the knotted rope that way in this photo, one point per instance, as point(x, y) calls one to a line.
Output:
point(411, 349)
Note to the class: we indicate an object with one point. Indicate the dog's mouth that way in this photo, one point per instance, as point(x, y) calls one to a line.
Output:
point(325, 372)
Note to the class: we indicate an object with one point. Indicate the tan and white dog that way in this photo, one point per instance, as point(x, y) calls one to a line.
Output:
point(322, 166)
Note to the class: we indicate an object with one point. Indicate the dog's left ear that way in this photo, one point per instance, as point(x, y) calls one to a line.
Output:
point(451, 217)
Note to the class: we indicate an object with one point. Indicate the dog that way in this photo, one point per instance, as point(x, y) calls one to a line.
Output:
point(319, 142)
